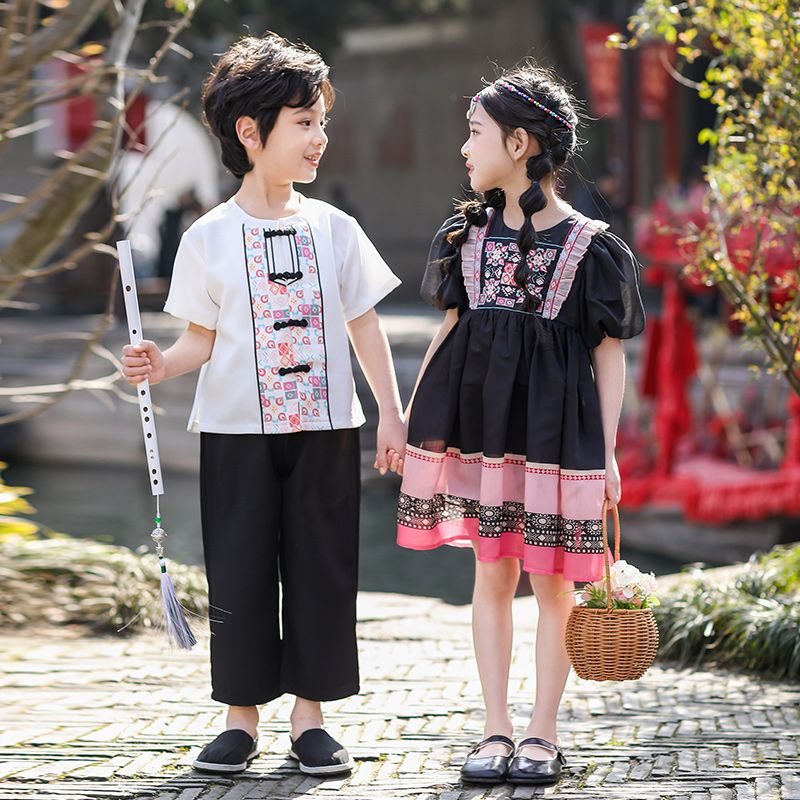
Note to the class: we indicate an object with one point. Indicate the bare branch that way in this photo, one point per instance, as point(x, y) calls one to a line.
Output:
point(69, 25)
point(72, 380)
point(115, 169)
point(676, 75)
point(70, 261)
point(94, 241)
point(58, 91)
point(19, 305)
point(9, 28)
point(26, 130)
point(47, 227)
point(56, 388)
point(55, 201)
point(779, 351)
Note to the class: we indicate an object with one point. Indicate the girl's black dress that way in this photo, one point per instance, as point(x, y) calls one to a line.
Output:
point(505, 447)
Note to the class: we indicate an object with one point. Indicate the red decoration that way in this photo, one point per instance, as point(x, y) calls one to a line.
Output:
point(699, 476)
point(602, 68)
point(791, 458)
point(81, 111)
point(655, 83)
point(677, 364)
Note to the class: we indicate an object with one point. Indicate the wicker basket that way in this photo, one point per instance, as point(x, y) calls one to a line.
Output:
point(611, 644)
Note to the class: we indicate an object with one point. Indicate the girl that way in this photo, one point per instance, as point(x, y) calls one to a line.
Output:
point(514, 417)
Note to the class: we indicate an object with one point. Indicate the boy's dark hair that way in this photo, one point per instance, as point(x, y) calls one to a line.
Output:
point(256, 77)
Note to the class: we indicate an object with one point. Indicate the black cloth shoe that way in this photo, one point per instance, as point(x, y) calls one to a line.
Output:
point(534, 771)
point(320, 754)
point(229, 752)
point(487, 769)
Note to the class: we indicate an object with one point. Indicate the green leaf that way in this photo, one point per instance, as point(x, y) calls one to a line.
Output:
point(707, 136)
point(16, 526)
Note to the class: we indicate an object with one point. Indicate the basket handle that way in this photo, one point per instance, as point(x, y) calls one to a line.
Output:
point(604, 526)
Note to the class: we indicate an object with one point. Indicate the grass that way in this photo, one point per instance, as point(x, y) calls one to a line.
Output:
point(750, 622)
point(59, 580)
point(53, 579)
point(584, 776)
point(614, 742)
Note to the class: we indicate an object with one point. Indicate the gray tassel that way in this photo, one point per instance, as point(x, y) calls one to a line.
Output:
point(175, 622)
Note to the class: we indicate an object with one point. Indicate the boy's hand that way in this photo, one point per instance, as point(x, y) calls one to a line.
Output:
point(141, 361)
point(391, 447)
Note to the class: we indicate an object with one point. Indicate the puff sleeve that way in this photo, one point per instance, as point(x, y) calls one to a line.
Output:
point(443, 284)
point(611, 304)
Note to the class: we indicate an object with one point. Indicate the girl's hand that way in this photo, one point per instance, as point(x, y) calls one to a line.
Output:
point(613, 483)
point(141, 361)
point(391, 445)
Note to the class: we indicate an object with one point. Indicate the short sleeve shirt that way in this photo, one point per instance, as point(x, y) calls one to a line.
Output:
point(278, 293)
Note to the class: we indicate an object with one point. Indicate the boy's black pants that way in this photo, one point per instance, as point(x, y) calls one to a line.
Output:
point(280, 517)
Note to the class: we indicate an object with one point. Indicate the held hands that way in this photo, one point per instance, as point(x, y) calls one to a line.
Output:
point(613, 483)
point(391, 446)
point(142, 361)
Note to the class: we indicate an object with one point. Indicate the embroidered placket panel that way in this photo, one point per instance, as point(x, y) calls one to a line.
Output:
point(288, 328)
point(498, 289)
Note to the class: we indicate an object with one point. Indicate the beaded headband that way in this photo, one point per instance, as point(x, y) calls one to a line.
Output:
point(509, 87)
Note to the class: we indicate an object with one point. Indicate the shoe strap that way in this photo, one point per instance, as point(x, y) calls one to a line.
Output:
point(496, 739)
point(535, 741)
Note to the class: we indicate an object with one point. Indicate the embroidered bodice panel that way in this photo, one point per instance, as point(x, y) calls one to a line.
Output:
point(488, 263)
point(500, 259)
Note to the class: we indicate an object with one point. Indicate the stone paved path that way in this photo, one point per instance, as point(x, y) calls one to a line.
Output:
point(107, 717)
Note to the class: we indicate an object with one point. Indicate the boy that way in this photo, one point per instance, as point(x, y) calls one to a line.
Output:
point(271, 284)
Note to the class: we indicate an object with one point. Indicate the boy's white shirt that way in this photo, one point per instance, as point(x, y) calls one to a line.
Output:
point(217, 283)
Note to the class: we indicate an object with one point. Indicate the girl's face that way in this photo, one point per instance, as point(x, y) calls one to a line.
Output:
point(294, 146)
point(490, 164)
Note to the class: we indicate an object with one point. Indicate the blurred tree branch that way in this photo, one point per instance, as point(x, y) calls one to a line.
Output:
point(58, 202)
point(50, 212)
point(83, 174)
point(68, 26)
point(749, 247)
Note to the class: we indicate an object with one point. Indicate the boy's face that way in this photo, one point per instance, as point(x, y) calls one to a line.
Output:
point(294, 146)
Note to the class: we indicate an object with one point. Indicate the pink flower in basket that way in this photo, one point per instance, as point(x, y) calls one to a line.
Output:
point(630, 588)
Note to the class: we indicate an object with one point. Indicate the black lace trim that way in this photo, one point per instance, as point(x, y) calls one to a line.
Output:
point(542, 530)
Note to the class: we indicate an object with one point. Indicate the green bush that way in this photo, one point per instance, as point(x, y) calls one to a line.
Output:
point(62, 580)
point(750, 622)
point(13, 503)
point(50, 578)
